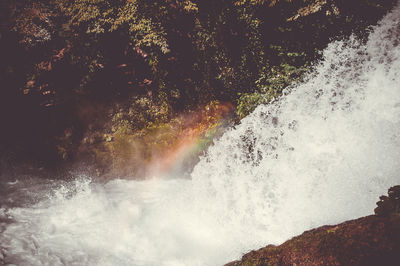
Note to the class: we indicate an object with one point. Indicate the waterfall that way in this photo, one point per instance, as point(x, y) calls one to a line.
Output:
point(321, 154)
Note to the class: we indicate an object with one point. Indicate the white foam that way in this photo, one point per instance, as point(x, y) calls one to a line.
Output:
point(321, 154)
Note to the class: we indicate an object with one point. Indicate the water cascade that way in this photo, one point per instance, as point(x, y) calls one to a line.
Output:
point(320, 154)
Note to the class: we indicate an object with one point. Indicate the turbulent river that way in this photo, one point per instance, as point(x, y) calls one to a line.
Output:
point(321, 154)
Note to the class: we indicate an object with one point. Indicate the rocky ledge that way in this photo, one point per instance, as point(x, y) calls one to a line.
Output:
point(371, 240)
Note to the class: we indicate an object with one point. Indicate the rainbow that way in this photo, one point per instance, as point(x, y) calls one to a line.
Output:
point(194, 132)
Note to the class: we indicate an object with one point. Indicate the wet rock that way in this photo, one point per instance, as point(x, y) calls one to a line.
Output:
point(371, 240)
point(389, 205)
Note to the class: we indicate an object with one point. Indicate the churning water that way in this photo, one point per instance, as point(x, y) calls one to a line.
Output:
point(321, 154)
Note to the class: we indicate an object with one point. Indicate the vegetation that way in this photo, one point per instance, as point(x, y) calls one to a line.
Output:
point(88, 78)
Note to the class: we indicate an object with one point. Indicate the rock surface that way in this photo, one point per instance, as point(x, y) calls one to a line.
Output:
point(371, 240)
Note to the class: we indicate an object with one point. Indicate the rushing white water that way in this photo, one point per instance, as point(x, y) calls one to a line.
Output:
point(321, 154)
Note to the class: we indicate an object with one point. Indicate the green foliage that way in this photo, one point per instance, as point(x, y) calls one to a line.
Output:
point(33, 20)
point(139, 113)
point(142, 135)
point(247, 102)
point(149, 62)
point(142, 19)
point(271, 85)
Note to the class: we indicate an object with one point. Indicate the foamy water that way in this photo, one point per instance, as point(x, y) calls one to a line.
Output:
point(321, 154)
